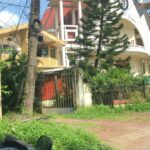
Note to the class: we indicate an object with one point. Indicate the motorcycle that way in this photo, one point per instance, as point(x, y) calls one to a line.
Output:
point(11, 143)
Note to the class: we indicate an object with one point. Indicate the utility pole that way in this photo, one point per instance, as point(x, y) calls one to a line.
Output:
point(34, 29)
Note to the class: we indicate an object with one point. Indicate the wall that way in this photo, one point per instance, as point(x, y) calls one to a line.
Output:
point(84, 95)
point(128, 29)
point(21, 44)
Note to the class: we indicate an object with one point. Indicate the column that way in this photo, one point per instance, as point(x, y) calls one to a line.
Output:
point(62, 30)
point(61, 19)
point(56, 22)
point(73, 17)
point(79, 11)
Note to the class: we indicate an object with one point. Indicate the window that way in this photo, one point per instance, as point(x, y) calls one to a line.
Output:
point(68, 18)
point(138, 38)
point(6, 49)
point(42, 51)
point(53, 52)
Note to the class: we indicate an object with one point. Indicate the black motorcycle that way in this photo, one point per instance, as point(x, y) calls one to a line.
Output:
point(11, 143)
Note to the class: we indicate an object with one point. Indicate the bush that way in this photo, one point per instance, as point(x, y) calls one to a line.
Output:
point(13, 77)
point(115, 84)
point(64, 138)
point(136, 97)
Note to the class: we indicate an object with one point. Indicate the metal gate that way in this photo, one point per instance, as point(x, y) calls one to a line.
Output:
point(57, 89)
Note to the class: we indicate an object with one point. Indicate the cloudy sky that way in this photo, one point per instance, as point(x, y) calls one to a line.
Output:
point(10, 14)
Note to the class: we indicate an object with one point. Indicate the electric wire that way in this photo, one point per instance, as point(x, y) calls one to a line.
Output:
point(13, 4)
point(5, 6)
point(6, 23)
point(20, 19)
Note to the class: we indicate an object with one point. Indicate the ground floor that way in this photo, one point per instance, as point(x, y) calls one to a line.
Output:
point(139, 62)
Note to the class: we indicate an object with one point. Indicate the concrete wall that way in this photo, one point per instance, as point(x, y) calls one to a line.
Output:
point(84, 95)
point(128, 29)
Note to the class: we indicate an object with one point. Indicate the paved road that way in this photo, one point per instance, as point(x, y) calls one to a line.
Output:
point(132, 134)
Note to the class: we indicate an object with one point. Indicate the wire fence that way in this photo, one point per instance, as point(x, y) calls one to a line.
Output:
point(106, 95)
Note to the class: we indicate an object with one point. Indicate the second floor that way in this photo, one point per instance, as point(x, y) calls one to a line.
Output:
point(62, 18)
point(49, 51)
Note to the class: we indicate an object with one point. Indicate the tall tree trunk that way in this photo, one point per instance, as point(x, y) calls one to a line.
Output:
point(32, 62)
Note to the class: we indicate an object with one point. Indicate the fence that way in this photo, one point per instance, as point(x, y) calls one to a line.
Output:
point(106, 95)
point(57, 89)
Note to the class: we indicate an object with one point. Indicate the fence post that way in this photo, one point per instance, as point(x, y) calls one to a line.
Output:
point(56, 90)
point(84, 96)
point(79, 89)
point(111, 94)
point(87, 95)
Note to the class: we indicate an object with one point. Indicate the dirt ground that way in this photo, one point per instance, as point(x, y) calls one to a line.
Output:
point(130, 134)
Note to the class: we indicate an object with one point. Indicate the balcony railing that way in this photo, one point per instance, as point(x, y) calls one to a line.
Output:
point(71, 32)
point(136, 48)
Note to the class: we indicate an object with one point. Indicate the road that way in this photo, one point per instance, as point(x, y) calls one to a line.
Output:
point(130, 134)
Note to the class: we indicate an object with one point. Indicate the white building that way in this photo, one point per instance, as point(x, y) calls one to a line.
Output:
point(63, 16)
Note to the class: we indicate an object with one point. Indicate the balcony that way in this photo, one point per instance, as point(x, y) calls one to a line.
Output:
point(47, 62)
point(70, 33)
point(136, 50)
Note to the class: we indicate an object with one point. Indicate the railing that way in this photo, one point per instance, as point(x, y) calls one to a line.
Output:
point(70, 32)
point(106, 94)
point(47, 62)
point(136, 48)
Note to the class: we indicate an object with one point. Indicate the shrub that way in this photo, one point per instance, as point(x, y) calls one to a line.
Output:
point(13, 77)
point(115, 84)
point(136, 97)
point(64, 138)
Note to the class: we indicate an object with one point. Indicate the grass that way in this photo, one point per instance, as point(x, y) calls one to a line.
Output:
point(97, 112)
point(107, 112)
point(64, 137)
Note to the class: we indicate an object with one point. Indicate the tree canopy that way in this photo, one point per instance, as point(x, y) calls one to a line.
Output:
point(99, 36)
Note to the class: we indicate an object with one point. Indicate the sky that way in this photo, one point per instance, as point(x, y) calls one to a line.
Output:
point(10, 14)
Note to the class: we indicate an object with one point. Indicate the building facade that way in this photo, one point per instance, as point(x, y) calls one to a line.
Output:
point(62, 18)
point(49, 55)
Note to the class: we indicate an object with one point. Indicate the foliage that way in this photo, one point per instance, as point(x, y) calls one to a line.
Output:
point(139, 107)
point(108, 112)
point(115, 84)
point(64, 138)
point(136, 97)
point(3, 65)
point(99, 36)
point(116, 77)
point(13, 76)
